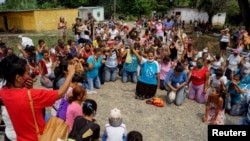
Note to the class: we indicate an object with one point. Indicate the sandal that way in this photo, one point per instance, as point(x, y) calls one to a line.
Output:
point(149, 101)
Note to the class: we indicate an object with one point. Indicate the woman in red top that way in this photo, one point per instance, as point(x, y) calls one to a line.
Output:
point(15, 71)
point(199, 82)
point(87, 51)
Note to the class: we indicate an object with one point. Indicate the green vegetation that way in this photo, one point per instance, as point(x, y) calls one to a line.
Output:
point(50, 38)
point(237, 10)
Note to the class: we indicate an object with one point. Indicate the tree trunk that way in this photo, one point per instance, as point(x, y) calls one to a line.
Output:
point(210, 16)
point(244, 10)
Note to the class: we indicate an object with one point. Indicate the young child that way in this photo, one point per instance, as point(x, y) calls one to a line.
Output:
point(74, 108)
point(215, 107)
point(115, 130)
point(134, 136)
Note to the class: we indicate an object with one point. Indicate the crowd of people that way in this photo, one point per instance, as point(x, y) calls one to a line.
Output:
point(163, 58)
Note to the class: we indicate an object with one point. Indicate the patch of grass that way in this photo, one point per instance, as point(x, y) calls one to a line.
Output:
point(50, 38)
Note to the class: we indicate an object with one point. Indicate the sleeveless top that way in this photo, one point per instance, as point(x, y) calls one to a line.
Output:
point(224, 38)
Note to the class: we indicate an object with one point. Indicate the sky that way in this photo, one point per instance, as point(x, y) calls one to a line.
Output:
point(2, 1)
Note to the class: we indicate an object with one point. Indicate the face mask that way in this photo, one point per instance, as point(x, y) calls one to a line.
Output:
point(199, 65)
point(150, 60)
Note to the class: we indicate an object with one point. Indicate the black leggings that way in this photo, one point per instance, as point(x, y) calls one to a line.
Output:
point(6, 138)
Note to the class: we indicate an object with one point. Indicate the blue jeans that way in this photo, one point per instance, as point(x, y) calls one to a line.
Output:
point(180, 96)
point(132, 75)
point(94, 82)
point(110, 74)
point(50, 83)
point(238, 109)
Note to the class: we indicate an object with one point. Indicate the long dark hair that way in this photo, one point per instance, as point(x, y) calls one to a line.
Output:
point(222, 93)
point(11, 66)
point(60, 71)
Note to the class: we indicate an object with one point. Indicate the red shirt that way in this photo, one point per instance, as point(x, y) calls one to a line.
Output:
point(86, 55)
point(198, 77)
point(18, 107)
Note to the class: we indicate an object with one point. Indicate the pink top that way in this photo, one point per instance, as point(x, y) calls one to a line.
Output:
point(159, 28)
point(74, 109)
point(164, 70)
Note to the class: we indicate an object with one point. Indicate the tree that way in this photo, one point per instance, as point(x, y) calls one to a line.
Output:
point(244, 9)
point(18, 5)
point(141, 7)
point(210, 6)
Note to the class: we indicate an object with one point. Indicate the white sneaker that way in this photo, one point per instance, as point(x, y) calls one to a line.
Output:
point(94, 92)
point(89, 92)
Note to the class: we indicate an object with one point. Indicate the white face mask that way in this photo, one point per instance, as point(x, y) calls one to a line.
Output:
point(150, 60)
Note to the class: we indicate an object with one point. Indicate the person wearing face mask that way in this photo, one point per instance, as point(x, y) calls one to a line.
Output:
point(89, 109)
point(149, 78)
point(232, 63)
point(199, 82)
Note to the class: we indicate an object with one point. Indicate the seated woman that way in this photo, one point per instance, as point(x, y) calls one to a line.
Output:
point(130, 66)
point(234, 106)
point(149, 79)
point(198, 77)
point(217, 80)
point(217, 63)
point(165, 67)
point(215, 107)
point(176, 80)
point(111, 63)
point(46, 70)
point(94, 63)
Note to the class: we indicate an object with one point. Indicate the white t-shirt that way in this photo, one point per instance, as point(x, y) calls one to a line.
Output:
point(9, 130)
point(49, 68)
point(233, 61)
point(216, 82)
point(199, 54)
point(217, 64)
point(115, 133)
point(113, 33)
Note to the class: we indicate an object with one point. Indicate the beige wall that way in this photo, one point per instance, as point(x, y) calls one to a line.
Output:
point(24, 21)
point(38, 20)
point(48, 19)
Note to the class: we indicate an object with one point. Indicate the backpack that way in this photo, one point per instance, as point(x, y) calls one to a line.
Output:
point(62, 110)
point(158, 102)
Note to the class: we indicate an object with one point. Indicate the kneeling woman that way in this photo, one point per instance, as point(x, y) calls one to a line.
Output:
point(175, 81)
point(149, 78)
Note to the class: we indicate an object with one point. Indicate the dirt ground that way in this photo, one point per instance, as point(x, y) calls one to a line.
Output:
point(168, 123)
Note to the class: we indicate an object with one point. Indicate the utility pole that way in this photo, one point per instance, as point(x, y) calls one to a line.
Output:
point(114, 9)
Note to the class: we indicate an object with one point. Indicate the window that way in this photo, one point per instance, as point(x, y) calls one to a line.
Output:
point(98, 14)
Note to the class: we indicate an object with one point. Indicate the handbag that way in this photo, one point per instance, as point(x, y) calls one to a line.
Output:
point(76, 135)
point(55, 129)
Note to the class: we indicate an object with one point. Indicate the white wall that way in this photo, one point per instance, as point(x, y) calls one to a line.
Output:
point(83, 11)
point(219, 19)
point(188, 14)
point(99, 10)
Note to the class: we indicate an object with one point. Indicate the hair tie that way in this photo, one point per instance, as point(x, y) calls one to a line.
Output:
point(89, 106)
